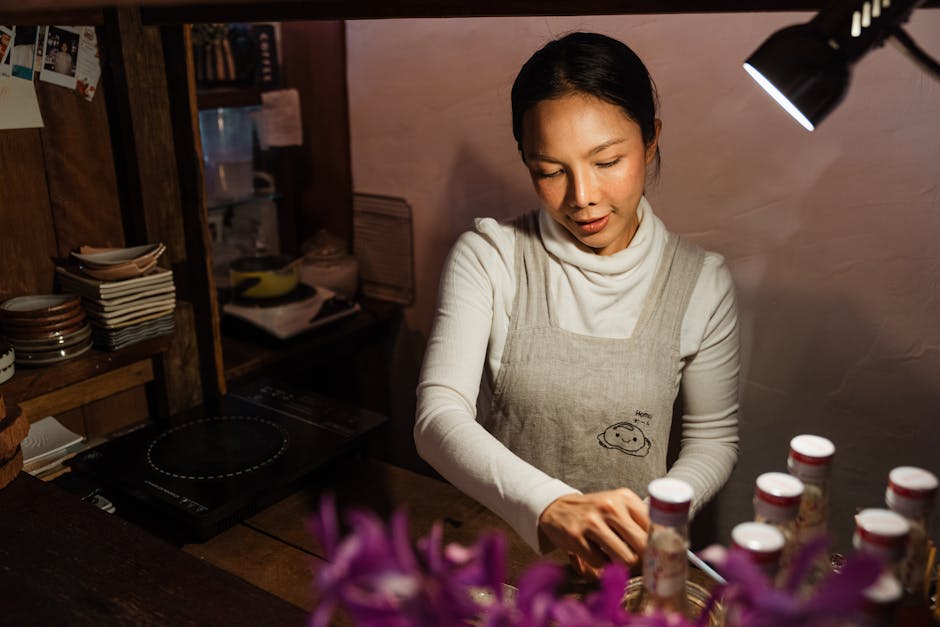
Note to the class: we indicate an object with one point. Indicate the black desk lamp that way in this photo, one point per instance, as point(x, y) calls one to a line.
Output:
point(806, 67)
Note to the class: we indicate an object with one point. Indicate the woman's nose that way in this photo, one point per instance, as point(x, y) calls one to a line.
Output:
point(582, 190)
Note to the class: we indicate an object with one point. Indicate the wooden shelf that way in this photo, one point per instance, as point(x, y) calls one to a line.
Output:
point(253, 352)
point(228, 97)
point(48, 390)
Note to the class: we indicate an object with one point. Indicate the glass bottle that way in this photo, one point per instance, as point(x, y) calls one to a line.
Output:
point(763, 544)
point(777, 497)
point(665, 562)
point(911, 493)
point(880, 603)
point(882, 533)
point(810, 460)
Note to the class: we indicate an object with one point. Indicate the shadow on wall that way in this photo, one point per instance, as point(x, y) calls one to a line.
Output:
point(474, 189)
point(842, 345)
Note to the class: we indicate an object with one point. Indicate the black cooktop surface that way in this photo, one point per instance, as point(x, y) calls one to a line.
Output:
point(205, 473)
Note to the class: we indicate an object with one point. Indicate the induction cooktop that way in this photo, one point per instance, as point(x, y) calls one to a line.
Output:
point(200, 474)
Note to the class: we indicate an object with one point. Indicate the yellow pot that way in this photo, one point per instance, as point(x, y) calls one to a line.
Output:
point(267, 276)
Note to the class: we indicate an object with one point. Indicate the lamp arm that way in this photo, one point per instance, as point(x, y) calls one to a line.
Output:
point(903, 42)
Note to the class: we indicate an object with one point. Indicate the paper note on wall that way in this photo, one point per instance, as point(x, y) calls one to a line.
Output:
point(279, 119)
point(19, 107)
point(89, 68)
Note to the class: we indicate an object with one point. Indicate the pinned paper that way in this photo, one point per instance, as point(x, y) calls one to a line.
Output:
point(19, 107)
point(279, 119)
point(60, 55)
point(6, 46)
point(89, 66)
point(24, 51)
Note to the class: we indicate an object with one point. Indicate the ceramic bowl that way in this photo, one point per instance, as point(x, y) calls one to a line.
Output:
point(6, 355)
point(6, 372)
point(24, 327)
point(39, 306)
point(107, 257)
point(44, 358)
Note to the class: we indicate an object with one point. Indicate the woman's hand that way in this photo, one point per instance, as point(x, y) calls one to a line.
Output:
point(597, 528)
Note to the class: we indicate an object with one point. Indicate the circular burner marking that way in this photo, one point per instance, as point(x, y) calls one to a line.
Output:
point(217, 448)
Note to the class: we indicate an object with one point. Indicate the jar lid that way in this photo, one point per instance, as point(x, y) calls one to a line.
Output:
point(764, 542)
point(812, 449)
point(323, 246)
point(670, 495)
point(778, 488)
point(881, 527)
point(886, 589)
point(912, 482)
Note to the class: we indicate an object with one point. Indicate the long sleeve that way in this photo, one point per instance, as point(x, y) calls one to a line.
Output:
point(709, 388)
point(446, 432)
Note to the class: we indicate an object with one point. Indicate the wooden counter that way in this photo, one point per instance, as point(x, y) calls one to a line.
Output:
point(65, 562)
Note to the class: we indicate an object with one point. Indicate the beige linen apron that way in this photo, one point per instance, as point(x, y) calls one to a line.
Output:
point(593, 412)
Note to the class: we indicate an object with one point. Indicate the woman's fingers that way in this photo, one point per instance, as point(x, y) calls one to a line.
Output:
point(599, 527)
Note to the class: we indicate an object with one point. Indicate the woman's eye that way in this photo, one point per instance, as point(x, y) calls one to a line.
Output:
point(609, 164)
point(548, 175)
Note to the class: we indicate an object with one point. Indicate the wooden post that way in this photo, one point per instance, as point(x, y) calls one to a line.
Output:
point(162, 202)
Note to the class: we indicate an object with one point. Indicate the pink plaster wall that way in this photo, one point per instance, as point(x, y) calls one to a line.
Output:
point(831, 236)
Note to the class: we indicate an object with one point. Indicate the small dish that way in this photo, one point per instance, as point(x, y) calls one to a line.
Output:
point(61, 319)
point(45, 333)
point(51, 343)
point(122, 271)
point(39, 305)
point(104, 257)
point(43, 358)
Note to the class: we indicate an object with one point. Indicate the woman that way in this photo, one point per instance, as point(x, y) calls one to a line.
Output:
point(62, 61)
point(582, 320)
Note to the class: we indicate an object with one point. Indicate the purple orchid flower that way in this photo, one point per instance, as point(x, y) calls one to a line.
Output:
point(750, 599)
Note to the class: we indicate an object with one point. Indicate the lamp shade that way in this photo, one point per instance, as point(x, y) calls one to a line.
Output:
point(803, 71)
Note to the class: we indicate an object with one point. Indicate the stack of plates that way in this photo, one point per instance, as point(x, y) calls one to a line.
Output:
point(114, 264)
point(45, 328)
point(126, 311)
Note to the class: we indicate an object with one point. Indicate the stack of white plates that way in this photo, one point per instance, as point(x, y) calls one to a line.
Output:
point(126, 311)
point(45, 328)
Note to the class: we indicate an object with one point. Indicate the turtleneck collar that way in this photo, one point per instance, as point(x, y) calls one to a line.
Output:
point(561, 244)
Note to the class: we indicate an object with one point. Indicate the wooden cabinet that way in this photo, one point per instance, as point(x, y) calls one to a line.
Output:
point(126, 169)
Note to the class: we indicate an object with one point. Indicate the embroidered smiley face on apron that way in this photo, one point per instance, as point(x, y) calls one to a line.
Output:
point(594, 412)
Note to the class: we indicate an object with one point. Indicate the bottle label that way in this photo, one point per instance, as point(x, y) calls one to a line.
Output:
point(665, 565)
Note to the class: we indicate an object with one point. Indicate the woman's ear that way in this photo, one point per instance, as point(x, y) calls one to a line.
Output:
point(653, 147)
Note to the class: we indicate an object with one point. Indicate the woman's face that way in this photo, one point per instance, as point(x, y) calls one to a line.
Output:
point(64, 47)
point(588, 164)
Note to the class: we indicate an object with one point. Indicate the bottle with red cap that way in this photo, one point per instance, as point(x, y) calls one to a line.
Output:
point(762, 543)
point(883, 534)
point(880, 603)
point(810, 460)
point(777, 497)
point(665, 562)
point(910, 493)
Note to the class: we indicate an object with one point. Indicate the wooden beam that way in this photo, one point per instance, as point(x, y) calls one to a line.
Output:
point(149, 189)
point(184, 117)
point(286, 10)
point(89, 390)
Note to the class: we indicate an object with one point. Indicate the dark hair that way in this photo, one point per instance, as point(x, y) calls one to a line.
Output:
point(591, 64)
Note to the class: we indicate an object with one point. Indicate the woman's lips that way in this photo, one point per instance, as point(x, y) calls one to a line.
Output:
point(592, 226)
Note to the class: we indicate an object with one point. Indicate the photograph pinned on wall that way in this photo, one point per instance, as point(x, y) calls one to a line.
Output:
point(24, 51)
point(89, 67)
point(60, 55)
point(6, 47)
point(40, 38)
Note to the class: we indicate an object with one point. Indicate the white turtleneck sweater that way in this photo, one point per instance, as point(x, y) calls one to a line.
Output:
point(592, 295)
